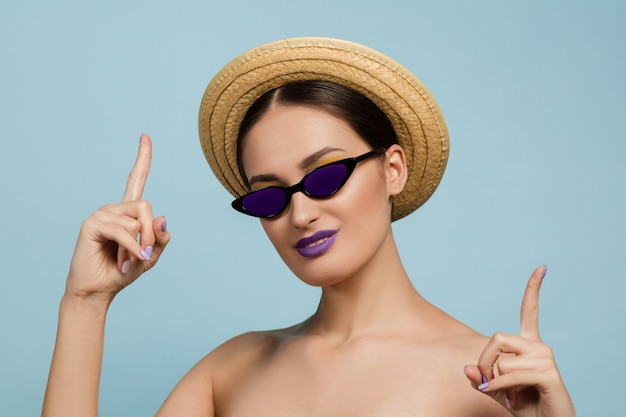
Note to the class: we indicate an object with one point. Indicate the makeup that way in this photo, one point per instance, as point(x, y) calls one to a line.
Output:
point(146, 253)
point(316, 244)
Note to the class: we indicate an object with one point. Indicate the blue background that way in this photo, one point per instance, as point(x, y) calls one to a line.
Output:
point(534, 95)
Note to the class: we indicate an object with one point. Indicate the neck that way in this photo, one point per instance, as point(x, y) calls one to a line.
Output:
point(379, 297)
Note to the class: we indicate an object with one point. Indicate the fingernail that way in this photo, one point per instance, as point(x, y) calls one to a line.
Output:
point(125, 266)
point(545, 269)
point(507, 403)
point(483, 386)
point(484, 378)
point(146, 253)
point(164, 225)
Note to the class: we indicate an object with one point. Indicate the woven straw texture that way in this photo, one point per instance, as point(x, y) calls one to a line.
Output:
point(412, 110)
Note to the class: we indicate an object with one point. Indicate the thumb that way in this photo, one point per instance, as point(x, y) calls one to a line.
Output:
point(480, 383)
point(162, 238)
point(473, 374)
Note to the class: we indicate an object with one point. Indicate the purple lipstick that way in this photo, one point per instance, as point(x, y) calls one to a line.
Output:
point(316, 244)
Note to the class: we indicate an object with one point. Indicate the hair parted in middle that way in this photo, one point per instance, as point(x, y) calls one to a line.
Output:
point(365, 117)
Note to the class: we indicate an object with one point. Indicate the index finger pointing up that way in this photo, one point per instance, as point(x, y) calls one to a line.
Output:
point(139, 174)
point(529, 321)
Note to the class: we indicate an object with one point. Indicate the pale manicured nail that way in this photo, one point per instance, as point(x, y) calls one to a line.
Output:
point(507, 403)
point(483, 378)
point(125, 266)
point(545, 269)
point(164, 225)
point(483, 386)
point(146, 253)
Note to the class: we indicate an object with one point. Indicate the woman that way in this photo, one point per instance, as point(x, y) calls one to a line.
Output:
point(327, 142)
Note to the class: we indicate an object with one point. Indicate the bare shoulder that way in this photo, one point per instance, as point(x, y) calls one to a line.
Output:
point(467, 345)
point(279, 369)
point(217, 372)
point(450, 349)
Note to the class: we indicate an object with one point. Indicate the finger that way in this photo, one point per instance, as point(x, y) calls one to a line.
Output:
point(542, 361)
point(145, 216)
point(138, 213)
point(162, 238)
point(113, 214)
point(139, 174)
point(513, 381)
point(510, 398)
point(472, 372)
point(529, 314)
point(117, 232)
point(480, 382)
point(499, 346)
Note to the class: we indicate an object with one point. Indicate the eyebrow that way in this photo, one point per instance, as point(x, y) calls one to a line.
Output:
point(304, 164)
point(313, 158)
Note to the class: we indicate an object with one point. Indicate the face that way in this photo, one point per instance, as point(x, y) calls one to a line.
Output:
point(322, 241)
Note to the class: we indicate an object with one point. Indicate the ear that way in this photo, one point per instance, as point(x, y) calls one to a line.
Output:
point(396, 169)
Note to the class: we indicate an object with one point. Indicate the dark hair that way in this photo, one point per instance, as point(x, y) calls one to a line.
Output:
point(365, 117)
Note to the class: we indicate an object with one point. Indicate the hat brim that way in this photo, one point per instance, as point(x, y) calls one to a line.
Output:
point(410, 107)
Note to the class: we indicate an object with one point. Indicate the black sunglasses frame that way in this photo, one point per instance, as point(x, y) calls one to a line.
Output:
point(349, 163)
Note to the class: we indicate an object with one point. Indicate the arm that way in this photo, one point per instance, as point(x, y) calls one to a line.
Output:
point(210, 386)
point(520, 371)
point(75, 371)
point(193, 395)
point(106, 259)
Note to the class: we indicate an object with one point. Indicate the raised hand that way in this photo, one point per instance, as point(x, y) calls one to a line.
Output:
point(520, 371)
point(108, 256)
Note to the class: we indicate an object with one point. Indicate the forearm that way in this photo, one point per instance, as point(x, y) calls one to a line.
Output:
point(74, 377)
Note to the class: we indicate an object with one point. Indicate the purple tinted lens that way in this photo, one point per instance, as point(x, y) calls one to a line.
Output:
point(325, 180)
point(266, 202)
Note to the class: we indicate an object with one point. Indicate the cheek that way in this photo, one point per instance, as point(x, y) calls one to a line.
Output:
point(367, 198)
point(277, 231)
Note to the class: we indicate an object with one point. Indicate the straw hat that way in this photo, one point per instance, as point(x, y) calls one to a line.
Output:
point(412, 110)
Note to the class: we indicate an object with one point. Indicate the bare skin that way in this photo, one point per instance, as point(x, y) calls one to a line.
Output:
point(374, 347)
point(107, 258)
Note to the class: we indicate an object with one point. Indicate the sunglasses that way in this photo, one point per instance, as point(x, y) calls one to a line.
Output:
point(322, 182)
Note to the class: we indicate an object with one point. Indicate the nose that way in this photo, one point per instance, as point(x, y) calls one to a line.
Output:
point(303, 210)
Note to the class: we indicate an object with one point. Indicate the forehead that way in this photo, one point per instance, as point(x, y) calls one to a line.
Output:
point(291, 133)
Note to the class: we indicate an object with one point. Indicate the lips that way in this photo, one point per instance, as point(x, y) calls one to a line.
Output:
point(316, 244)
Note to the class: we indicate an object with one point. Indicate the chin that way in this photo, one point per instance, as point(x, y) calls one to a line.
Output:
point(324, 271)
point(321, 282)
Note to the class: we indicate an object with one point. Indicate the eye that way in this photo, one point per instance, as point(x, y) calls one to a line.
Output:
point(325, 180)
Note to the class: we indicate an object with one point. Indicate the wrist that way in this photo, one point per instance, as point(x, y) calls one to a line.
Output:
point(97, 303)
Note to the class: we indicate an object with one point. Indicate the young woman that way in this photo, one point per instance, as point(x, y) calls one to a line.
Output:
point(327, 142)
